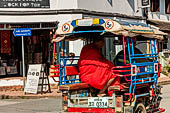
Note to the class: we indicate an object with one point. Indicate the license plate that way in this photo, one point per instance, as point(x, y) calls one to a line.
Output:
point(96, 102)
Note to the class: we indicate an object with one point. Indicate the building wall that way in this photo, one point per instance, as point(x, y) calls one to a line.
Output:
point(28, 15)
point(128, 7)
point(27, 18)
point(67, 4)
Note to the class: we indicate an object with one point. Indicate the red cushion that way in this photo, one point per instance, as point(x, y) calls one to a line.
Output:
point(71, 70)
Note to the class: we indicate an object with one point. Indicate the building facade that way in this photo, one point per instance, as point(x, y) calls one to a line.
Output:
point(43, 17)
point(159, 15)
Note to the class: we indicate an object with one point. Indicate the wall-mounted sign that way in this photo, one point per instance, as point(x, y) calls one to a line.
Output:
point(145, 2)
point(24, 4)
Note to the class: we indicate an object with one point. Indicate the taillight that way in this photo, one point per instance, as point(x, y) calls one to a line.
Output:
point(119, 104)
point(133, 70)
point(156, 67)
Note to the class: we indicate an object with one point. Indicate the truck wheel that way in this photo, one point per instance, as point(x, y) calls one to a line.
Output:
point(140, 108)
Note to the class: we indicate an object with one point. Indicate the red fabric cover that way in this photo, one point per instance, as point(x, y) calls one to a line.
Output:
point(95, 69)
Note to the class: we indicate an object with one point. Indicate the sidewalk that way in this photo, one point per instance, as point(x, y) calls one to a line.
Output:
point(17, 91)
point(162, 80)
point(12, 88)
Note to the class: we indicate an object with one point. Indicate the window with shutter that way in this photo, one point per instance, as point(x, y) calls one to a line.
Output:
point(167, 6)
point(155, 6)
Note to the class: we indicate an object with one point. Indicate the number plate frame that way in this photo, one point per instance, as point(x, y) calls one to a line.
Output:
point(98, 102)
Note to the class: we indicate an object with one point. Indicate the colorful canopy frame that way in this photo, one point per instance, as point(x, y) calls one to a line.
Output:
point(136, 72)
point(77, 28)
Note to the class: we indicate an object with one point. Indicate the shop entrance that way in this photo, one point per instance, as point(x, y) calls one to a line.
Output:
point(9, 55)
point(35, 48)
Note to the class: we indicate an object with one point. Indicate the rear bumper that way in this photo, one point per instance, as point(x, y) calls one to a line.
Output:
point(92, 110)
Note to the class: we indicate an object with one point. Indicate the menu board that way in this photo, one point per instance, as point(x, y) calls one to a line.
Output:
point(33, 75)
point(24, 4)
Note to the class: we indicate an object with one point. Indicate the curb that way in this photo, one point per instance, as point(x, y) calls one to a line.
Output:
point(26, 97)
point(164, 82)
point(17, 92)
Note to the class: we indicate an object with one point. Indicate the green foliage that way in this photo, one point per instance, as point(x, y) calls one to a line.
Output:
point(56, 56)
point(22, 97)
point(166, 70)
point(163, 57)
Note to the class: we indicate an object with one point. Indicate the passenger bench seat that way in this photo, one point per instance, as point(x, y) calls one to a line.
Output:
point(70, 71)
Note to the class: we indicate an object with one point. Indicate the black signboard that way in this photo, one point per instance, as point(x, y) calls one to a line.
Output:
point(145, 2)
point(24, 4)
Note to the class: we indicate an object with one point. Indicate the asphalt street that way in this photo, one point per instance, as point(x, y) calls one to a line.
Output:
point(53, 105)
point(46, 105)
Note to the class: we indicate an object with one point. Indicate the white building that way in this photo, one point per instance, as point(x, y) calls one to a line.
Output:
point(159, 11)
point(19, 11)
point(43, 16)
point(159, 15)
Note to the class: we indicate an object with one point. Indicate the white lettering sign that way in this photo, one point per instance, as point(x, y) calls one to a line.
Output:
point(24, 4)
point(33, 76)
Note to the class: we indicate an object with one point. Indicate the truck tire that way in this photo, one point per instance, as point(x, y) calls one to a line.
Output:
point(140, 108)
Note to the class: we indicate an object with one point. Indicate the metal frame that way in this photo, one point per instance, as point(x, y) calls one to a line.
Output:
point(135, 80)
point(62, 63)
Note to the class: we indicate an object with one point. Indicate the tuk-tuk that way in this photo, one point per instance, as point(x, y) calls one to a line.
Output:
point(139, 93)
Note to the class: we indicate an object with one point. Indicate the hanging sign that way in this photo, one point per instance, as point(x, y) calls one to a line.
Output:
point(24, 4)
point(33, 76)
point(22, 32)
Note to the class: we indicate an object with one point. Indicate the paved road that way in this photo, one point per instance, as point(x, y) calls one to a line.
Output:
point(49, 105)
point(165, 103)
point(30, 105)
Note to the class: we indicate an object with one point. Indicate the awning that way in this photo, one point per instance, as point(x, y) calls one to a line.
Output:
point(163, 25)
point(137, 29)
point(75, 28)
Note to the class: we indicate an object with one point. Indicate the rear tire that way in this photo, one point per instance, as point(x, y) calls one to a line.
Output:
point(140, 108)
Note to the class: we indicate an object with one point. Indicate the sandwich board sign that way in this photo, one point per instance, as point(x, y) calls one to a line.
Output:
point(34, 73)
